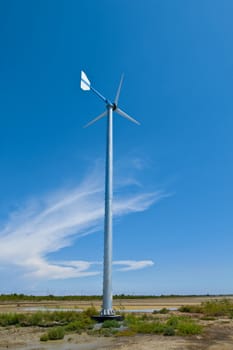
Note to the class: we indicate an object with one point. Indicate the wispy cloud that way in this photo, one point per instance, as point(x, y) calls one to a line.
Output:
point(48, 224)
point(130, 265)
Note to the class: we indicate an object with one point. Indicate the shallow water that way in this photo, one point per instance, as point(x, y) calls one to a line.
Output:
point(147, 310)
point(41, 308)
point(80, 310)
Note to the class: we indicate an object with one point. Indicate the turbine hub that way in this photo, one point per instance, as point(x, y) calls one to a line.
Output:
point(114, 107)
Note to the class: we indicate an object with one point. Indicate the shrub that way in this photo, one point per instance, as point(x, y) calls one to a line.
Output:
point(146, 317)
point(44, 337)
point(56, 333)
point(111, 324)
point(107, 332)
point(80, 319)
point(148, 327)
point(169, 331)
point(184, 325)
point(79, 325)
point(189, 328)
point(62, 316)
point(35, 319)
point(130, 319)
point(91, 311)
point(222, 307)
point(10, 319)
point(173, 321)
point(164, 310)
point(73, 327)
point(190, 308)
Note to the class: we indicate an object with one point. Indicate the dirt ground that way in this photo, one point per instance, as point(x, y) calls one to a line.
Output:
point(217, 337)
point(218, 334)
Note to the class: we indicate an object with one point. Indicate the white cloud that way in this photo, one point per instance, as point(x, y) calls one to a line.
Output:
point(48, 224)
point(133, 265)
point(60, 270)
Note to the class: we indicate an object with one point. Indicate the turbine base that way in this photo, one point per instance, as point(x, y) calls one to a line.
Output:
point(101, 319)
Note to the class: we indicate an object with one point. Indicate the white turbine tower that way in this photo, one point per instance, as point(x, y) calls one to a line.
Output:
point(107, 310)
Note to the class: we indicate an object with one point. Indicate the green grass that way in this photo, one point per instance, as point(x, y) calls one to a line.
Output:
point(190, 308)
point(164, 310)
point(184, 325)
point(222, 307)
point(10, 319)
point(60, 323)
point(169, 331)
point(46, 318)
point(211, 308)
point(53, 334)
point(173, 325)
point(111, 324)
point(142, 327)
point(188, 328)
point(79, 325)
point(44, 337)
point(73, 322)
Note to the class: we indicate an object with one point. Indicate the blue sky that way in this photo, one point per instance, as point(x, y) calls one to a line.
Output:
point(173, 174)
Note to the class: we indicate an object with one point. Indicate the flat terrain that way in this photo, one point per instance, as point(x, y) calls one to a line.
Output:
point(218, 334)
point(119, 304)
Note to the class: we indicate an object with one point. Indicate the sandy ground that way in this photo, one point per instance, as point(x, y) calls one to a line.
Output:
point(217, 336)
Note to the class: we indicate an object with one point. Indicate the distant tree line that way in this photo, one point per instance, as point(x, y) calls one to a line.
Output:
point(37, 298)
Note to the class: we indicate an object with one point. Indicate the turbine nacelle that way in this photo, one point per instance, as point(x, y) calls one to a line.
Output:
point(86, 86)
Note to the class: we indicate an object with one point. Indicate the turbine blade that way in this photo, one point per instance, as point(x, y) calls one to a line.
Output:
point(119, 90)
point(125, 115)
point(85, 85)
point(99, 95)
point(85, 82)
point(95, 120)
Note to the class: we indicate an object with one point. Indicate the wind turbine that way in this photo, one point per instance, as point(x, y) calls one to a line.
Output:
point(107, 311)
